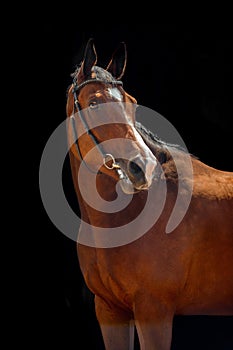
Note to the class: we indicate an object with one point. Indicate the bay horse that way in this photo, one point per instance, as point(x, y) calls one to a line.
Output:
point(151, 278)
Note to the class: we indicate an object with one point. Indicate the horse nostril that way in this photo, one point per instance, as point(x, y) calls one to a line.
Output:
point(137, 173)
point(134, 169)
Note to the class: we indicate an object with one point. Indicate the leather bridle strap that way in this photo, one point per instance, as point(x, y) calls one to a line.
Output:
point(77, 87)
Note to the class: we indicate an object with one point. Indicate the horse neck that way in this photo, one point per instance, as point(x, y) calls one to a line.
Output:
point(206, 182)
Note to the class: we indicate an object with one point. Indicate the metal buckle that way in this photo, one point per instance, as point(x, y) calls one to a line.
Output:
point(107, 158)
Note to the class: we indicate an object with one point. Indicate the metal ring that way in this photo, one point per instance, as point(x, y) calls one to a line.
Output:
point(111, 158)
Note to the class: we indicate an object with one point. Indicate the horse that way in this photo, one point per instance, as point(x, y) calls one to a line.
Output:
point(143, 283)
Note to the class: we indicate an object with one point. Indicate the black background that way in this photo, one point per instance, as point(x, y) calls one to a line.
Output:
point(185, 73)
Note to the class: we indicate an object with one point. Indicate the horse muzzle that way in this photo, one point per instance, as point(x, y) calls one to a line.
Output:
point(138, 174)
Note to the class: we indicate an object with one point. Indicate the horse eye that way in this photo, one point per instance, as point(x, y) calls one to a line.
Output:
point(93, 104)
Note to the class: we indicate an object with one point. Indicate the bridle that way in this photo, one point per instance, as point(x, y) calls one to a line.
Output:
point(106, 156)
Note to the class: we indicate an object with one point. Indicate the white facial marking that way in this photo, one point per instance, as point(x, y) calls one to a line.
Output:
point(150, 160)
point(115, 93)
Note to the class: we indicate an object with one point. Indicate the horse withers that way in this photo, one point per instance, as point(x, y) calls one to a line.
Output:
point(153, 276)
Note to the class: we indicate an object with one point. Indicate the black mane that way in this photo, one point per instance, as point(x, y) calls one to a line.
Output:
point(155, 139)
point(159, 147)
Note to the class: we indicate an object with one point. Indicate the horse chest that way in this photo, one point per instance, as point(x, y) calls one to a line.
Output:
point(102, 276)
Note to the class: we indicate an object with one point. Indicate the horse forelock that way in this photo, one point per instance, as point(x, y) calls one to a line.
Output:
point(95, 73)
point(102, 74)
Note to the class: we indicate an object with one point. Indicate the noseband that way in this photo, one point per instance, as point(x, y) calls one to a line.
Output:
point(106, 156)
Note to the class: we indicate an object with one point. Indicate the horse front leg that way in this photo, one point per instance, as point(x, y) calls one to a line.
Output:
point(154, 327)
point(116, 326)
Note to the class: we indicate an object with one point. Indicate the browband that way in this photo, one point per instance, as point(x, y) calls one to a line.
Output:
point(78, 87)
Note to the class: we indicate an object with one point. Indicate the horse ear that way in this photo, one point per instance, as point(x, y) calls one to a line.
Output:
point(90, 58)
point(118, 61)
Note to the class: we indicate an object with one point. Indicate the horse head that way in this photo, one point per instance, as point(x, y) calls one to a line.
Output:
point(102, 131)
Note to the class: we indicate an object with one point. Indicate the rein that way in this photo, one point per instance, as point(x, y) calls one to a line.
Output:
point(106, 156)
